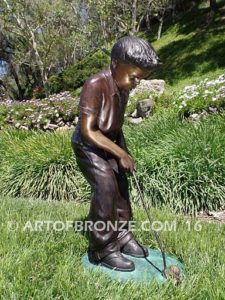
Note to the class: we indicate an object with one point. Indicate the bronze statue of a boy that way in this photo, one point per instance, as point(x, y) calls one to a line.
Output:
point(101, 152)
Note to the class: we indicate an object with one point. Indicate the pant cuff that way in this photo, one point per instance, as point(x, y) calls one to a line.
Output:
point(124, 238)
point(97, 255)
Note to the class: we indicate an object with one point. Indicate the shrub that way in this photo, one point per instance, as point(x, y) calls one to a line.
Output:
point(58, 110)
point(209, 95)
point(74, 76)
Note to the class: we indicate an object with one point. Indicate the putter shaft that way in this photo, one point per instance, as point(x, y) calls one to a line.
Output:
point(151, 223)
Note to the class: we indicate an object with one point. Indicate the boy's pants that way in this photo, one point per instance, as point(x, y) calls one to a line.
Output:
point(110, 202)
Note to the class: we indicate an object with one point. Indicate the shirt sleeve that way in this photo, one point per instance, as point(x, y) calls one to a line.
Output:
point(91, 98)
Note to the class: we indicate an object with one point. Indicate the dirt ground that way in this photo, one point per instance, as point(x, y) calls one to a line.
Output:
point(217, 216)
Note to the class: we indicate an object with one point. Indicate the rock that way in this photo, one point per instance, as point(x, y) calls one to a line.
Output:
point(212, 109)
point(204, 114)
point(62, 129)
point(75, 121)
point(195, 116)
point(17, 125)
point(59, 120)
point(135, 120)
point(154, 86)
point(24, 127)
point(144, 107)
point(134, 114)
point(51, 126)
point(61, 124)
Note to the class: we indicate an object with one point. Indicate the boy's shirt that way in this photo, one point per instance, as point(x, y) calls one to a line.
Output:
point(101, 97)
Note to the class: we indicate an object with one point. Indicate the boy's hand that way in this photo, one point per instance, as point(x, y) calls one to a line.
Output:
point(126, 162)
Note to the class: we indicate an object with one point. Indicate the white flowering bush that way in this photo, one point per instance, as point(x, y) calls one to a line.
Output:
point(55, 111)
point(208, 95)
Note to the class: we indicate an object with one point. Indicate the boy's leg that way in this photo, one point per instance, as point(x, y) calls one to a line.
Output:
point(124, 210)
point(99, 173)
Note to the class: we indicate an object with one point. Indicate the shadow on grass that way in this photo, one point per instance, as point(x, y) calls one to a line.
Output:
point(200, 52)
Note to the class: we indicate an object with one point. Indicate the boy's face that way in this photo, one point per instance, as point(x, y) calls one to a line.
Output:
point(128, 76)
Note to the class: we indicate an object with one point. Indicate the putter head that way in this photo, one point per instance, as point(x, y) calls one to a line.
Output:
point(173, 272)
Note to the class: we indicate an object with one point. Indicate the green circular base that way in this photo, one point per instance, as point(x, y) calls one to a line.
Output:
point(146, 269)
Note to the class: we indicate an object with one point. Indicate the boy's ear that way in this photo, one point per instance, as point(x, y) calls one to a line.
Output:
point(114, 63)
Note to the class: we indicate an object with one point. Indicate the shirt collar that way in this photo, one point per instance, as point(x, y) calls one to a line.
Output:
point(114, 90)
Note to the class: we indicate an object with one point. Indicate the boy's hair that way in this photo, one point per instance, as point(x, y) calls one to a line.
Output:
point(136, 51)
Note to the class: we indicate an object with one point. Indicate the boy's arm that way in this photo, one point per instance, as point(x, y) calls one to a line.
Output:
point(121, 142)
point(91, 132)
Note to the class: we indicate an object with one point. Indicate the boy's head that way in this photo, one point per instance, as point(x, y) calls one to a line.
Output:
point(131, 59)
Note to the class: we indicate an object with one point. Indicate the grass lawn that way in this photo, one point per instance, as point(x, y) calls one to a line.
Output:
point(47, 264)
point(192, 48)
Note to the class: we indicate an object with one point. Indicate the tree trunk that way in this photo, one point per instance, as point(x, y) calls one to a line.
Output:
point(148, 14)
point(38, 59)
point(40, 63)
point(148, 25)
point(5, 90)
point(140, 21)
point(161, 19)
point(134, 17)
point(13, 72)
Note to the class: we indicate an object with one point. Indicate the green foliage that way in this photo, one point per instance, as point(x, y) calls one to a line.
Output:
point(58, 109)
point(180, 164)
point(43, 36)
point(74, 76)
point(41, 166)
point(77, 92)
point(190, 48)
point(208, 95)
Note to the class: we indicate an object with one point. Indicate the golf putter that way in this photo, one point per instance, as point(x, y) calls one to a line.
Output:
point(173, 271)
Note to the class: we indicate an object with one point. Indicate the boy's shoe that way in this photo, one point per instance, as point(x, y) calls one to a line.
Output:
point(115, 261)
point(135, 249)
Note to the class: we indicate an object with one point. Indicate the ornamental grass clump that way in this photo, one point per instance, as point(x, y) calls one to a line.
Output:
point(181, 165)
point(40, 166)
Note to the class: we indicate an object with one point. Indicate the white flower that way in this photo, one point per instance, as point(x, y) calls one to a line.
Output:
point(207, 92)
point(190, 88)
point(222, 89)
